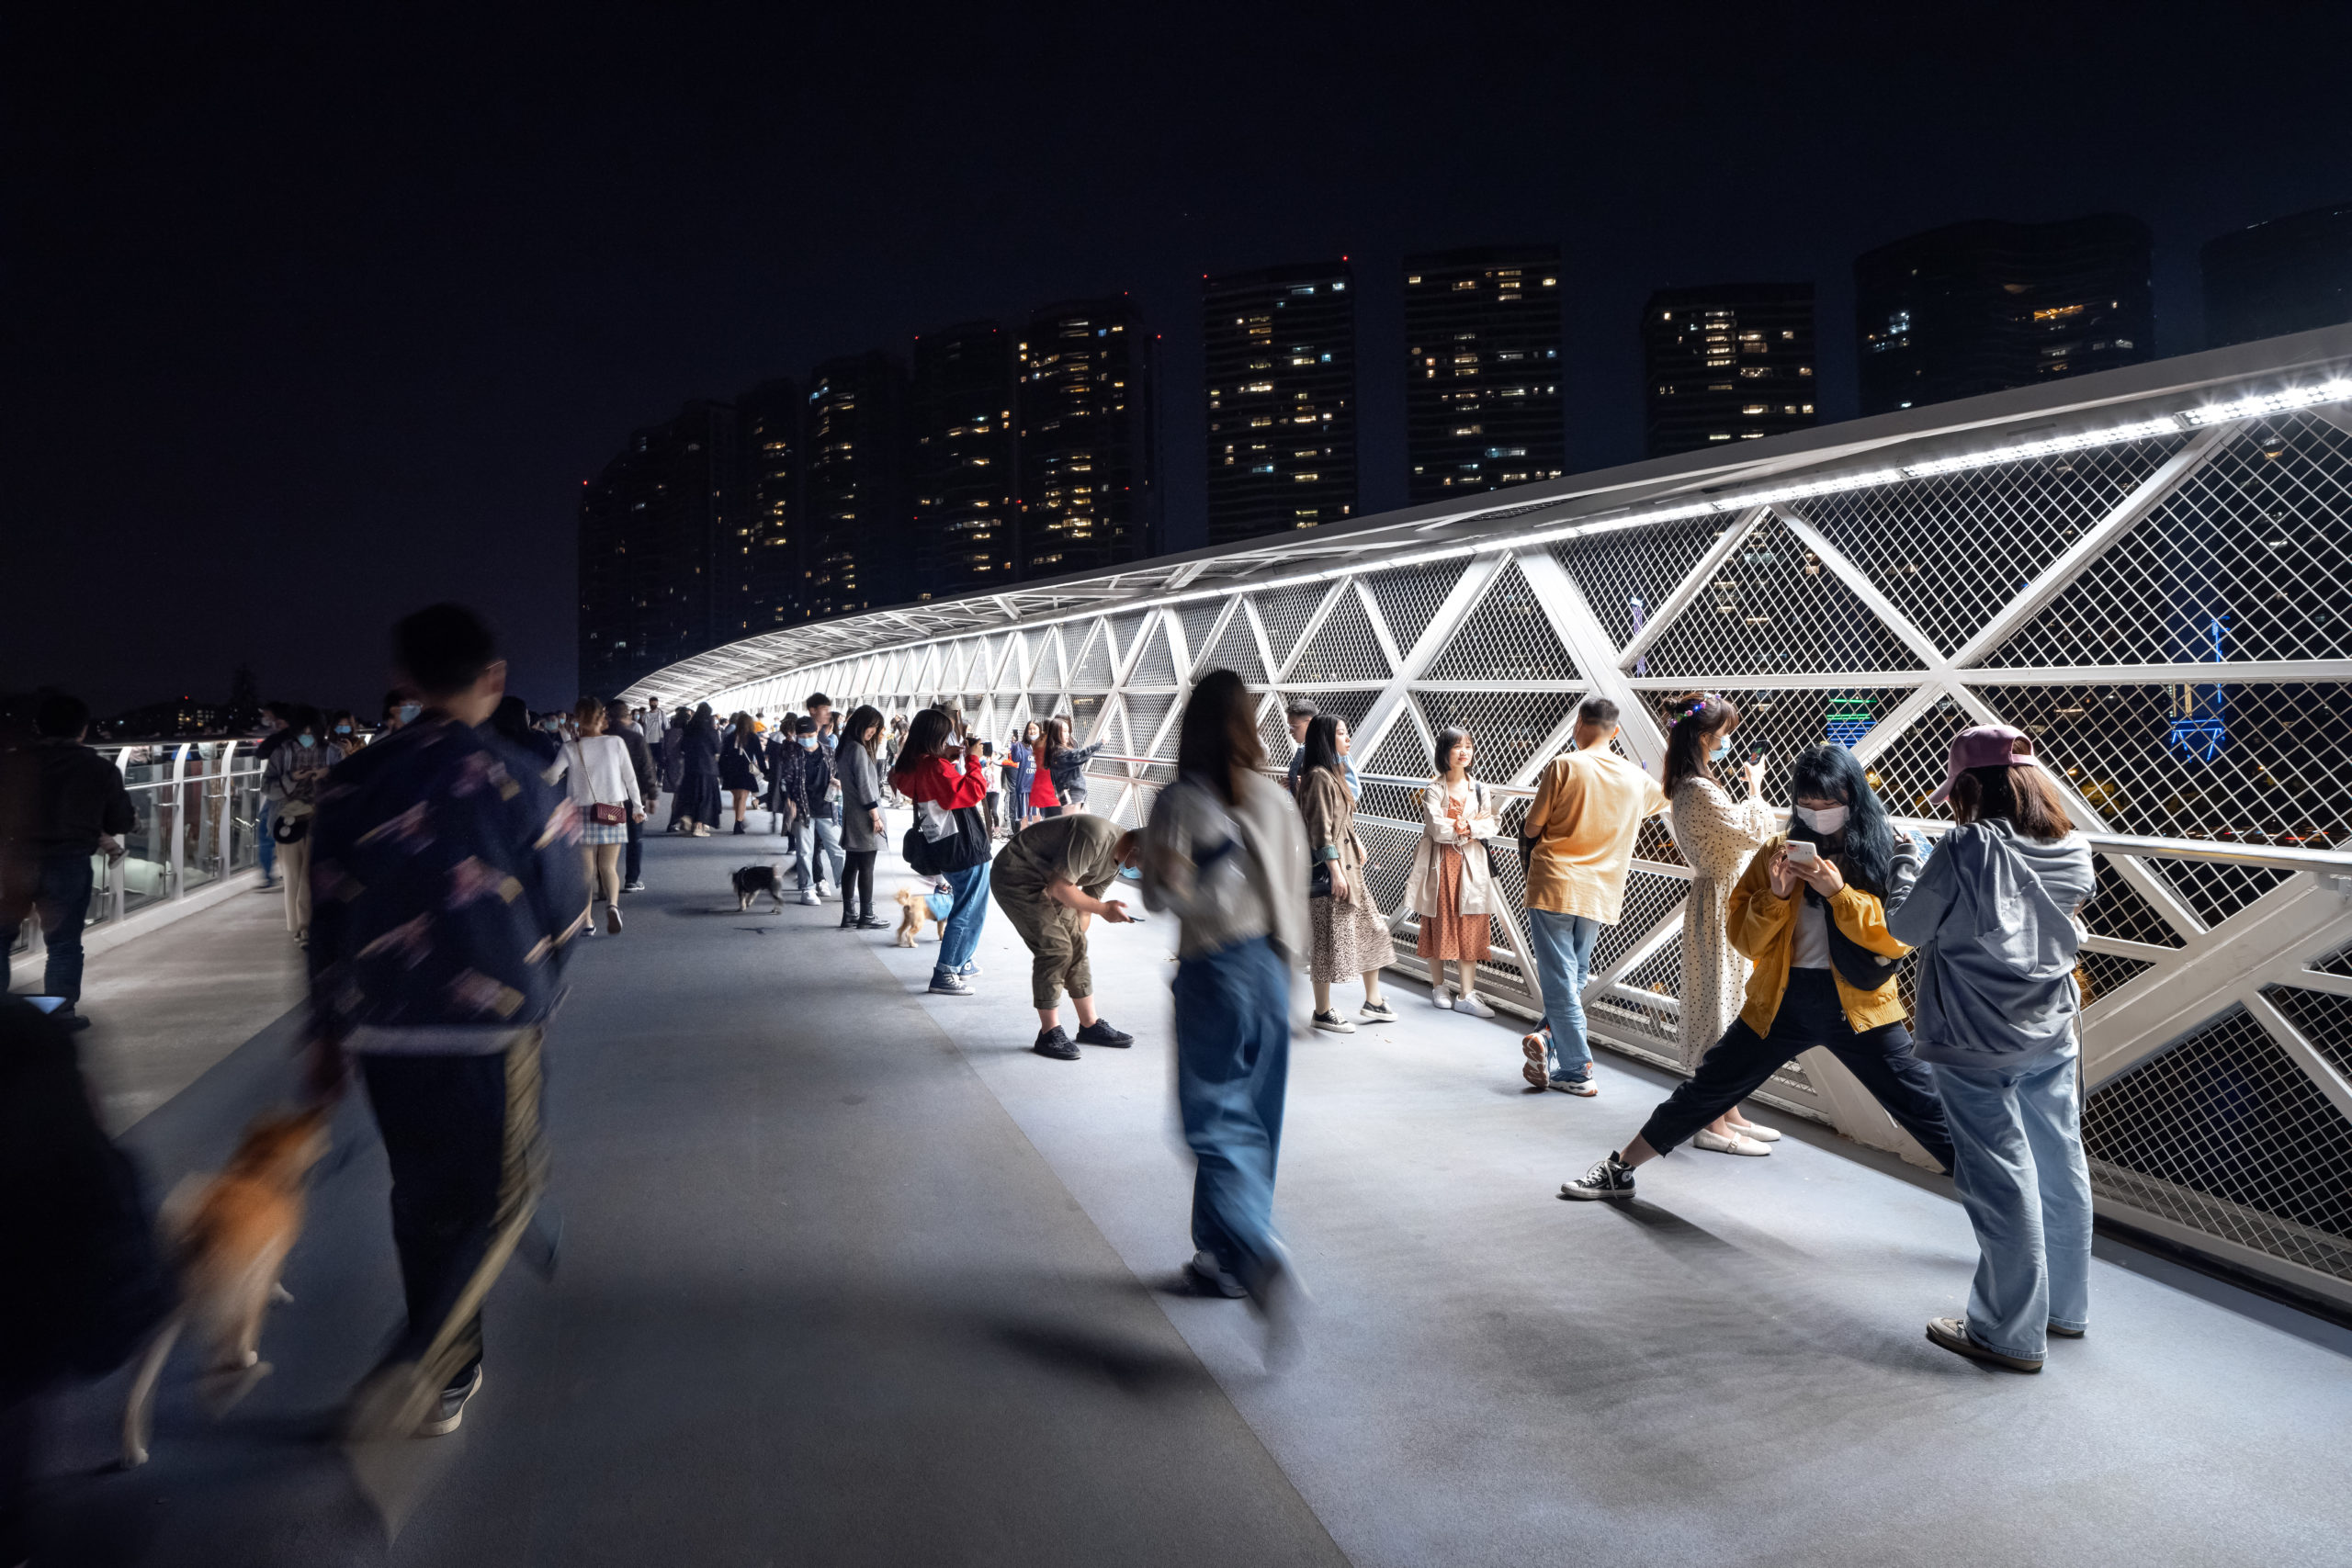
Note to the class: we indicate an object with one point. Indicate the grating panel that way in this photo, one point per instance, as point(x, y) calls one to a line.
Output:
point(1389, 853)
point(1125, 629)
point(1284, 614)
point(2217, 892)
point(2226, 568)
point(1274, 731)
point(1398, 802)
point(1157, 665)
point(1626, 576)
point(2116, 908)
point(2321, 1018)
point(2100, 972)
point(1654, 841)
point(1403, 751)
point(1344, 647)
point(1506, 729)
point(1199, 620)
point(1409, 600)
point(2337, 963)
point(1094, 672)
point(1145, 717)
point(1911, 767)
point(1773, 608)
point(2257, 763)
point(1236, 649)
point(2224, 1134)
point(1507, 637)
point(1650, 898)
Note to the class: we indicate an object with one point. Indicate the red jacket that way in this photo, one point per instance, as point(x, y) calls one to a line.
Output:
point(937, 780)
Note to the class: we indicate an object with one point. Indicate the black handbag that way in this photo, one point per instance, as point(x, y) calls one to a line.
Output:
point(1319, 881)
point(966, 847)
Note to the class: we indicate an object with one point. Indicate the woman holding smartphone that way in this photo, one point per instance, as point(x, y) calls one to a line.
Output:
point(1717, 837)
point(1810, 913)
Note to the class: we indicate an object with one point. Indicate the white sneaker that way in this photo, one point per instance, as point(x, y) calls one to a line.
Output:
point(1735, 1145)
point(1473, 1004)
point(807, 897)
point(1442, 997)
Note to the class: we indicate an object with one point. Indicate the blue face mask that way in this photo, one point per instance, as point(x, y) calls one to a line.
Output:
point(1131, 873)
point(1723, 750)
point(343, 729)
point(407, 712)
point(807, 743)
point(307, 740)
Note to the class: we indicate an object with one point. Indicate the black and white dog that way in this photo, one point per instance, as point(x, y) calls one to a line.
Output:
point(753, 880)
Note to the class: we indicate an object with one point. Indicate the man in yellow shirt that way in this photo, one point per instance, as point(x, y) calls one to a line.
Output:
point(1587, 812)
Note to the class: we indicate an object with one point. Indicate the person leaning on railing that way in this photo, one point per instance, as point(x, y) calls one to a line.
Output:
point(1350, 939)
point(1066, 763)
point(1452, 887)
point(1716, 839)
point(1993, 917)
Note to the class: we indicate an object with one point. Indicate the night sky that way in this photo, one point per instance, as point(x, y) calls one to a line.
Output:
point(313, 317)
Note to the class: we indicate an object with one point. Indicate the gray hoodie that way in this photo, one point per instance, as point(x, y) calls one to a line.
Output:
point(1993, 916)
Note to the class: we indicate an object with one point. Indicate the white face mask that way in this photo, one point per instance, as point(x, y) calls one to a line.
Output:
point(1723, 750)
point(1827, 821)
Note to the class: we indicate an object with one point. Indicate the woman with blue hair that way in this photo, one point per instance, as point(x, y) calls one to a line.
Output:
point(1809, 914)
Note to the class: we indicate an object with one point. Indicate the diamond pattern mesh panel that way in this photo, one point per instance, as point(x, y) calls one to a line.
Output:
point(2257, 763)
point(2117, 909)
point(1626, 576)
point(2321, 1018)
point(1274, 731)
point(1236, 649)
point(1199, 619)
point(1157, 664)
point(2217, 892)
point(1630, 1006)
point(2224, 1134)
point(1094, 670)
point(1403, 750)
point(1344, 647)
point(1911, 767)
point(1650, 898)
point(1507, 637)
point(1285, 612)
point(1397, 803)
point(1146, 714)
point(2225, 568)
point(1125, 629)
point(1389, 855)
point(1773, 608)
point(1951, 551)
point(1506, 729)
point(1409, 600)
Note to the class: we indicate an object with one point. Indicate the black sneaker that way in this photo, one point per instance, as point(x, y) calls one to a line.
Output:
point(872, 924)
point(849, 922)
point(1101, 1033)
point(451, 1411)
point(1612, 1177)
point(70, 1019)
point(1054, 1044)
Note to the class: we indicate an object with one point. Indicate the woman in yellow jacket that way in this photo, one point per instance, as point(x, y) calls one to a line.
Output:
point(1810, 913)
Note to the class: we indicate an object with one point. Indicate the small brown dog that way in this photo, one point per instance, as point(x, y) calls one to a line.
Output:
point(915, 908)
point(227, 1241)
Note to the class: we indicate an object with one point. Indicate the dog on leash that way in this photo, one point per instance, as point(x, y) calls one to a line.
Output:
point(753, 880)
point(918, 902)
point(226, 1240)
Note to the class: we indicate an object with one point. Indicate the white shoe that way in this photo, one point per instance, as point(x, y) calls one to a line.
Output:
point(1761, 1134)
point(1735, 1145)
point(1442, 997)
point(1473, 1004)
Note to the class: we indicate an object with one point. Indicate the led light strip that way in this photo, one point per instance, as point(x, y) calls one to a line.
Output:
point(2335, 390)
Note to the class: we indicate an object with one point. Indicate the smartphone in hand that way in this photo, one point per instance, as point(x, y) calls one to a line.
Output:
point(1802, 854)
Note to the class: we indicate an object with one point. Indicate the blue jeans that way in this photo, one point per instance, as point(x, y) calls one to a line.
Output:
point(61, 898)
point(2017, 1135)
point(1232, 1067)
point(815, 837)
point(960, 938)
point(1563, 946)
point(264, 846)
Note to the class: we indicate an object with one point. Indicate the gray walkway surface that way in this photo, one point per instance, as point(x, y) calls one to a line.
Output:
point(850, 1276)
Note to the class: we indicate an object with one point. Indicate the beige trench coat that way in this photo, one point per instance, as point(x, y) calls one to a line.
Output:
point(1436, 828)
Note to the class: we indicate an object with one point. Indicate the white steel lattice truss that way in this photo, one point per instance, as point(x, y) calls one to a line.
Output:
point(2144, 569)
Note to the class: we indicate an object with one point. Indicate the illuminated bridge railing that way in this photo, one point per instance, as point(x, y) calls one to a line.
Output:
point(2146, 570)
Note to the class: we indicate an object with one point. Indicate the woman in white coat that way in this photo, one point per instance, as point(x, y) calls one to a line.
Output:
point(596, 769)
point(1452, 887)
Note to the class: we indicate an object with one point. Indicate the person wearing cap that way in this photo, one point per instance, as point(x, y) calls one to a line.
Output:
point(1813, 921)
point(1993, 918)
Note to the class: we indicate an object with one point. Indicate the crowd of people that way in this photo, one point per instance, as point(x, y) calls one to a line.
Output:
point(449, 869)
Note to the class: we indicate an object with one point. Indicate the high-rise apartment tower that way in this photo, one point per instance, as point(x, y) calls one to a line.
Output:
point(767, 592)
point(1733, 362)
point(2289, 274)
point(1282, 398)
point(854, 456)
point(960, 466)
point(661, 558)
point(1089, 451)
point(1482, 390)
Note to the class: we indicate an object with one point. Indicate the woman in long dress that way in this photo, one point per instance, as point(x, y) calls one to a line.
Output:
point(1718, 836)
point(1350, 937)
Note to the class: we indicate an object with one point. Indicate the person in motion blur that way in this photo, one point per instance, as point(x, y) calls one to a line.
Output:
point(618, 725)
point(1810, 913)
point(739, 764)
point(694, 807)
point(857, 773)
point(1581, 825)
point(1993, 916)
point(946, 800)
point(457, 880)
point(511, 722)
point(670, 758)
point(1226, 853)
point(67, 807)
point(603, 783)
point(1452, 886)
point(1717, 837)
point(290, 781)
point(1348, 937)
point(1050, 875)
point(400, 707)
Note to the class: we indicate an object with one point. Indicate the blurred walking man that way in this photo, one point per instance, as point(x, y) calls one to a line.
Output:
point(449, 880)
point(80, 810)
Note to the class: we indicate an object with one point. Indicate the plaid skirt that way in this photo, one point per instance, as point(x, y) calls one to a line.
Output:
point(602, 832)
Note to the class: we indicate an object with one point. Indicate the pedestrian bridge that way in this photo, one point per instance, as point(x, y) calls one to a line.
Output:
point(2144, 570)
point(850, 1276)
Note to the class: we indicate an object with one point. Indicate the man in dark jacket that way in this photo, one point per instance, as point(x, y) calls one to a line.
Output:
point(449, 881)
point(80, 810)
point(618, 723)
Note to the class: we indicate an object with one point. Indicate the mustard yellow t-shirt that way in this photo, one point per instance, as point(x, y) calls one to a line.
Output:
point(1587, 811)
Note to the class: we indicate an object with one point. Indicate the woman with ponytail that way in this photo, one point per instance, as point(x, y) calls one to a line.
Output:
point(1810, 913)
point(1717, 837)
